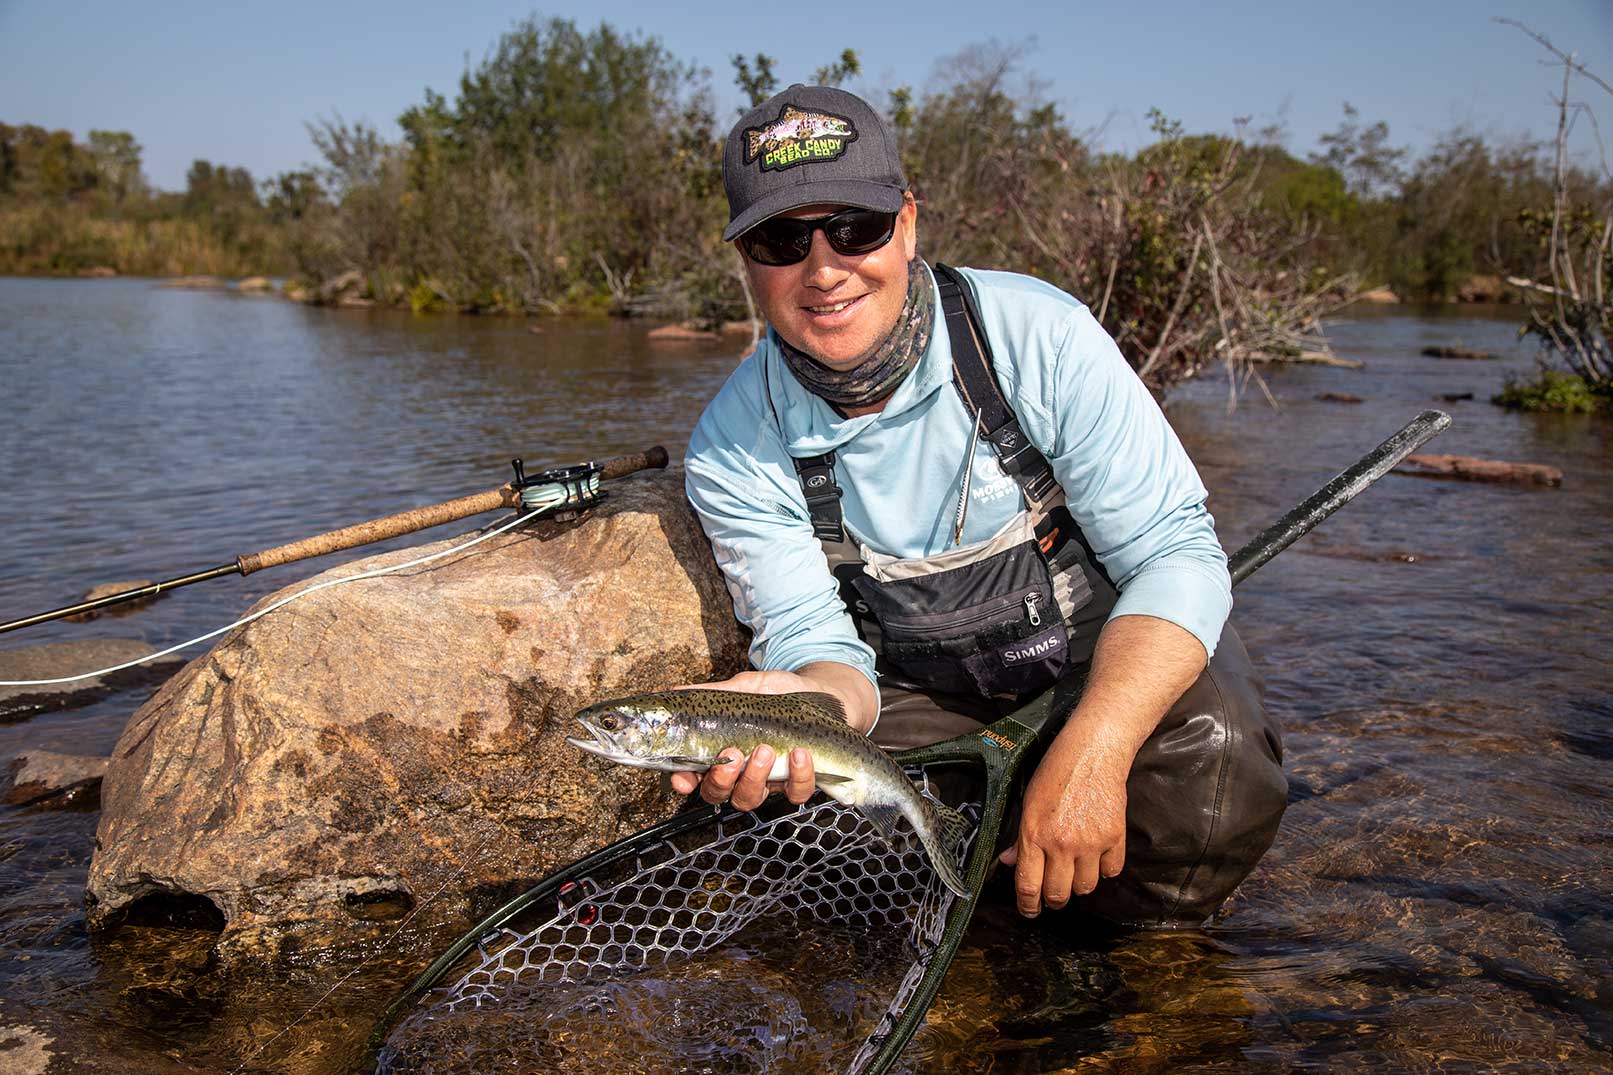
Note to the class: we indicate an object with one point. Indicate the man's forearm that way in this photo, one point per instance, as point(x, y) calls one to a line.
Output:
point(1142, 665)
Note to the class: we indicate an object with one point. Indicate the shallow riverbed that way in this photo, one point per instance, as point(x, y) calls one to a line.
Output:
point(1438, 896)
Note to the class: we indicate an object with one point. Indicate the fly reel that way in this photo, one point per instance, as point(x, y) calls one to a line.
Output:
point(560, 494)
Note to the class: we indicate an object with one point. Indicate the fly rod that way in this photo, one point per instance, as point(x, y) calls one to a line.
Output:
point(545, 494)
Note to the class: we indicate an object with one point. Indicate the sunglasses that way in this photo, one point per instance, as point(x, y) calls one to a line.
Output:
point(787, 240)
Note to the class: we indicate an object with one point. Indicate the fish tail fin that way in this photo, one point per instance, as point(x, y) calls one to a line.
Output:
point(949, 832)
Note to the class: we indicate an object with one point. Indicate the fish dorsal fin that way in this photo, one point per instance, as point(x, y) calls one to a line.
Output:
point(791, 112)
point(828, 703)
point(882, 816)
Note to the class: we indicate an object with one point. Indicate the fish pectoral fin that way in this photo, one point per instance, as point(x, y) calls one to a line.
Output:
point(679, 764)
point(955, 828)
point(832, 778)
point(882, 817)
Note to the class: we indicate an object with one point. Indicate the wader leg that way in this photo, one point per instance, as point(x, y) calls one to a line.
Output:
point(1202, 803)
point(1203, 800)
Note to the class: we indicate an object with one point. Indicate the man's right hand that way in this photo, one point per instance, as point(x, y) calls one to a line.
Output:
point(744, 782)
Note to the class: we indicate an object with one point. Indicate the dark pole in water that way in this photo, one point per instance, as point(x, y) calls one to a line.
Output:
point(507, 495)
point(1336, 493)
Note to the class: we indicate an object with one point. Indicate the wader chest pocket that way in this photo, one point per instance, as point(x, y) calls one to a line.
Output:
point(987, 628)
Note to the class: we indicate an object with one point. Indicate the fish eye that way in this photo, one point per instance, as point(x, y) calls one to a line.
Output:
point(610, 722)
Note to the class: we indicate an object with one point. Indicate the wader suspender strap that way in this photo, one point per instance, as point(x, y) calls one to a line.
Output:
point(982, 397)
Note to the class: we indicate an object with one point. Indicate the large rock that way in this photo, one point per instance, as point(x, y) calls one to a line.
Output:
point(1481, 287)
point(347, 285)
point(400, 741)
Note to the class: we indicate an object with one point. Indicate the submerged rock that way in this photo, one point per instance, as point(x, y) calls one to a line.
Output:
point(60, 660)
point(44, 777)
point(107, 589)
point(400, 741)
point(24, 1050)
point(197, 283)
point(1456, 352)
point(1467, 468)
point(679, 333)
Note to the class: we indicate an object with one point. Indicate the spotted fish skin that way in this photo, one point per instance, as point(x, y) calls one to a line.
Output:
point(685, 731)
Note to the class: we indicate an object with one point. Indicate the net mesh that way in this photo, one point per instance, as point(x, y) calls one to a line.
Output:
point(757, 942)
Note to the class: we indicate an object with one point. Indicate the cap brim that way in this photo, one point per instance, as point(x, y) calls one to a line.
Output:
point(859, 193)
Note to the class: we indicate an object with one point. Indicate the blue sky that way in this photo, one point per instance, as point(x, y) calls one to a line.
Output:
point(236, 83)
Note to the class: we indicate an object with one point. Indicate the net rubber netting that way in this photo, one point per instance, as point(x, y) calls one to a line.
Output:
point(788, 940)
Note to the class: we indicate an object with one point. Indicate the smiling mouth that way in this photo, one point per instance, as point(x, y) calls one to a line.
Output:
point(833, 307)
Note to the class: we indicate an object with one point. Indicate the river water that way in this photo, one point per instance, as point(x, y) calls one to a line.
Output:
point(1437, 899)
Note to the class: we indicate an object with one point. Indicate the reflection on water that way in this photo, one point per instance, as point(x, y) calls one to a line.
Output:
point(1437, 898)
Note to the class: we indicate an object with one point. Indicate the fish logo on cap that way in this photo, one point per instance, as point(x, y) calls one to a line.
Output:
point(798, 137)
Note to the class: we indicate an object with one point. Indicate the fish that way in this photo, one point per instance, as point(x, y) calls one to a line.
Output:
point(793, 123)
point(685, 731)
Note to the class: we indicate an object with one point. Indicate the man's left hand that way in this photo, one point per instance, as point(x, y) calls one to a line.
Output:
point(1073, 828)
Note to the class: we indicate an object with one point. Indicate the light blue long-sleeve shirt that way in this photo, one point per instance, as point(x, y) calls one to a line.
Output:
point(1127, 481)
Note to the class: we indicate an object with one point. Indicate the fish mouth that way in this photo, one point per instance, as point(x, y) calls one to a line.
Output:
point(602, 744)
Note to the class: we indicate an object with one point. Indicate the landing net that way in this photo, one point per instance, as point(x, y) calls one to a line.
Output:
point(782, 941)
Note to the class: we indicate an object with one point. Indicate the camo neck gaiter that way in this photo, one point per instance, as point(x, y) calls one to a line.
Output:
point(878, 375)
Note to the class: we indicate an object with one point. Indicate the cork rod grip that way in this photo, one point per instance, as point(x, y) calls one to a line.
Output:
point(407, 522)
point(650, 459)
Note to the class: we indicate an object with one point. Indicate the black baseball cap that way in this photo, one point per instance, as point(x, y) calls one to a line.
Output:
point(805, 145)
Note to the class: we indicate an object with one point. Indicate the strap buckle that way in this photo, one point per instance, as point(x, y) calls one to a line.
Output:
point(822, 495)
point(1022, 460)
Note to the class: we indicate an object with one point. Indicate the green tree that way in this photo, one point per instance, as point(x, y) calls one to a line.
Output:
point(755, 78)
point(1362, 155)
point(836, 73)
point(117, 164)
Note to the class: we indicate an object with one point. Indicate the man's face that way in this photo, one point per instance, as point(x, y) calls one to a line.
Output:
point(838, 307)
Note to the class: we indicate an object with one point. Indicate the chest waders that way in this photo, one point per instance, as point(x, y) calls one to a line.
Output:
point(999, 618)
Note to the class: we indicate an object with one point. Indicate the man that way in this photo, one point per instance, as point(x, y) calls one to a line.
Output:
point(963, 471)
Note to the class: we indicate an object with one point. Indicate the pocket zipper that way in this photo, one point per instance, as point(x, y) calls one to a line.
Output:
point(997, 607)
